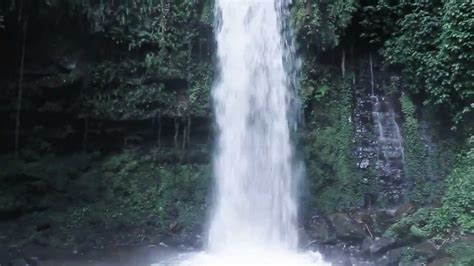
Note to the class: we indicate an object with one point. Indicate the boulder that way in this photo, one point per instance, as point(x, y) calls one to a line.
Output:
point(174, 227)
point(425, 249)
point(18, 262)
point(403, 210)
point(41, 240)
point(377, 245)
point(441, 262)
point(320, 231)
point(347, 228)
point(391, 258)
point(459, 248)
point(364, 217)
point(383, 220)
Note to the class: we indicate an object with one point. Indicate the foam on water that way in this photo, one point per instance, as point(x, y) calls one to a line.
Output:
point(251, 257)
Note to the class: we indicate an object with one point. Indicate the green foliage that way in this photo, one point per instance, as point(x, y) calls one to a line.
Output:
point(55, 171)
point(423, 190)
point(411, 224)
point(433, 46)
point(159, 62)
point(128, 190)
point(136, 191)
point(150, 89)
point(207, 13)
point(319, 23)
point(139, 23)
point(412, 257)
point(184, 188)
point(333, 183)
point(462, 251)
point(425, 164)
point(458, 202)
point(137, 188)
point(455, 214)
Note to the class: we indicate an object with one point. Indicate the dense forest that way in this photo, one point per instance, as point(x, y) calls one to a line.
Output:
point(107, 130)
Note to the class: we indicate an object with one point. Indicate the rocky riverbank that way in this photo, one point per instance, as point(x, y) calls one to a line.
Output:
point(373, 237)
point(381, 237)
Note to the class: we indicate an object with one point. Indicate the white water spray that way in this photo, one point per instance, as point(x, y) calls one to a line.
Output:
point(254, 218)
point(256, 202)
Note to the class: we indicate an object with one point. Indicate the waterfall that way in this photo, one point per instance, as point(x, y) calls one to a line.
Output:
point(254, 219)
point(253, 163)
point(390, 152)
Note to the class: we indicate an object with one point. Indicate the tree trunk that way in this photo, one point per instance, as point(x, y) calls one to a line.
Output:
point(86, 131)
point(159, 131)
point(372, 82)
point(343, 63)
point(183, 144)
point(176, 132)
point(353, 64)
point(20, 92)
point(189, 129)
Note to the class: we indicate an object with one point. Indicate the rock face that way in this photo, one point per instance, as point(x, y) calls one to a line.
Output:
point(425, 250)
point(441, 262)
point(81, 104)
point(403, 210)
point(320, 230)
point(19, 262)
point(361, 235)
point(378, 140)
point(377, 245)
point(391, 258)
point(347, 228)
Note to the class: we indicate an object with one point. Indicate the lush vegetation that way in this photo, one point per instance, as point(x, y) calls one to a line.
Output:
point(321, 23)
point(331, 169)
point(431, 42)
point(109, 103)
point(423, 168)
point(455, 213)
point(130, 190)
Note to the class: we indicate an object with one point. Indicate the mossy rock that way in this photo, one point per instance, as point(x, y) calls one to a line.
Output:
point(462, 251)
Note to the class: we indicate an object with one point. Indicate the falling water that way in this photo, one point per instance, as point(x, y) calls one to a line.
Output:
point(390, 153)
point(253, 164)
point(254, 217)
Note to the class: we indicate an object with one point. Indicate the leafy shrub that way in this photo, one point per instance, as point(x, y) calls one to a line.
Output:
point(455, 214)
point(433, 45)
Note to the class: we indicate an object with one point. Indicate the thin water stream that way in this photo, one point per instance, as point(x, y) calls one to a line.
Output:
point(390, 151)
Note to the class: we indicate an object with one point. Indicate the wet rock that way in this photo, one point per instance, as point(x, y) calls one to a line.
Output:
point(338, 254)
point(18, 262)
point(391, 258)
point(4, 253)
point(43, 225)
point(459, 249)
point(68, 63)
point(174, 227)
point(320, 231)
point(425, 249)
point(41, 240)
point(347, 228)
point(37, 187)
point(441, 262)
point(403, 210)
point(377, 245)
point(344, 261)
point(363, 216)
point(383, 220)
point(58, 81)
